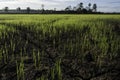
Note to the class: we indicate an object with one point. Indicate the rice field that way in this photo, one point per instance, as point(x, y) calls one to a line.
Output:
point(59, 47)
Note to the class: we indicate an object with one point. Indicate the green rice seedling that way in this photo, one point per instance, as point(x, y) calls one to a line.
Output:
point(55, 72)
point(20, 70)
point(99, 62)
point(4, 56)
point(115, 45)
point(58, 69)
point(24, 49)
point(34, 58)
point(38, 60)
point(52, 74)
point(12, 47)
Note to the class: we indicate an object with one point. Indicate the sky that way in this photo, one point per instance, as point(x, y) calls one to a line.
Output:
point(103, 5)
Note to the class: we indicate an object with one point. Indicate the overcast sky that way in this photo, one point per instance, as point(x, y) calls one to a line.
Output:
point(103, 5)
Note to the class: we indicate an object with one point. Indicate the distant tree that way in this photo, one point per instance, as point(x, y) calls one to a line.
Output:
point(69, 8)
point(80, 7)
point(42, 6)
point(89, 5)
point(84, 10)
point(18, 9)
point(89, 8)
point(28, 9)
point(6, 9)
point(74, 8)
point(94, 7)
point(54, 9)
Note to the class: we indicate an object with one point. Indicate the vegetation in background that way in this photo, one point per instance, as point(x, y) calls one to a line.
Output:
point(78, 9)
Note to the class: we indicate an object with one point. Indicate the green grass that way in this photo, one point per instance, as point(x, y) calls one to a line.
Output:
point(63, 42)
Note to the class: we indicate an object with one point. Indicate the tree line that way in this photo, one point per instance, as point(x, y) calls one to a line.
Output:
point(79, 8)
